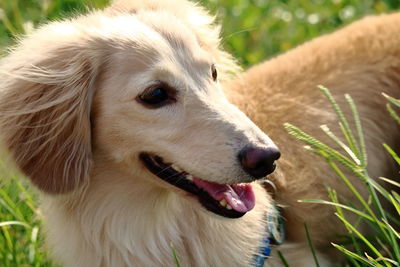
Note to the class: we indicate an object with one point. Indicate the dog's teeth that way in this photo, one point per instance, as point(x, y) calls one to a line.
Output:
point(228, 207)
point(176, 168)
point(189, 177)
point(223, 203)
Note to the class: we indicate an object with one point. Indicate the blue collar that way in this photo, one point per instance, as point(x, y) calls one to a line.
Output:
point(275, 234)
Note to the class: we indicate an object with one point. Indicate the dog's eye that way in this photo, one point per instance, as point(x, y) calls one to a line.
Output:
point(157, 96)
point(154, 97)
point(214, 73)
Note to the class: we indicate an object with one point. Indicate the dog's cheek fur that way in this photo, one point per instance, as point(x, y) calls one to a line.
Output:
point(45, 117)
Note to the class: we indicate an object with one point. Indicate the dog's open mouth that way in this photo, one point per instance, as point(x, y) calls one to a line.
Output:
point(232, 201)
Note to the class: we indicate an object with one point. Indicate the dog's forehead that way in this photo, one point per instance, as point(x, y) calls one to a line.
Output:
point(177, 35)
point(149, 46)
point(159, 46)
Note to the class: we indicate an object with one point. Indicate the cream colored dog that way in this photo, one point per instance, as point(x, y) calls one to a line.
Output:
point(120, 119)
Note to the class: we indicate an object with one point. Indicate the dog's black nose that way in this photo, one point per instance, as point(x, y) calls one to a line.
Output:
point(259, 162)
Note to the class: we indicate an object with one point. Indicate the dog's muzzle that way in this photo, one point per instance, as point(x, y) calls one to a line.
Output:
point(227, 200)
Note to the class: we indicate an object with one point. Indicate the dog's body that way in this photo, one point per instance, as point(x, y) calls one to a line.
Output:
point(362, 60)
point(103, 207)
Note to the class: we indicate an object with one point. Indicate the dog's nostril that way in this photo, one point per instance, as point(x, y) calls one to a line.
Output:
point(259, 162)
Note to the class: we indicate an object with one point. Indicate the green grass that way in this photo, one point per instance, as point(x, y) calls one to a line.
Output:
point(21, 238)
point(256, 30)
point(252, 31)
point(381, 248)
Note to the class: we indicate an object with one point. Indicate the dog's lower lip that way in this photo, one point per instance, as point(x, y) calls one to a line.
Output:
point(166, 172)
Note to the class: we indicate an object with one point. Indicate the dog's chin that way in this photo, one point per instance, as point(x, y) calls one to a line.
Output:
point(227, 200)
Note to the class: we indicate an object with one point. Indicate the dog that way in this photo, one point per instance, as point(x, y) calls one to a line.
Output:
point(130, 124)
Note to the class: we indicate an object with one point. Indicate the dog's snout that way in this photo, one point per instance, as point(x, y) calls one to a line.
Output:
point(259, 162)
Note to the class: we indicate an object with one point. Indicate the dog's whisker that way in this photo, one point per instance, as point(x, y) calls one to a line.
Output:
point(174, 175)
point(163, 170)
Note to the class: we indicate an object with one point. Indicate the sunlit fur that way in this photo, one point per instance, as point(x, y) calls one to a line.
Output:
point(362, 60)
point(70, 119)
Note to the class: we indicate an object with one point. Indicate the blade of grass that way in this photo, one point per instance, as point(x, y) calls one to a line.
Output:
point(8, 204)
point(390, 181)
point(30, 202)
point(360, 134)
point(396, 204)
point(283, 259)
point(306, 138)
point(7, 23)
point(357, 195)
point(345, 125)
point(361, 236)
point(19, 21)
point(392, 100)
point(177, 262)
point(333, 196)
point(372, 185)
point(353, 255)
point(311, 245)
point(385, 248)
point(393, 113)
point(379, 188)
point(392, 229)
point(8, 223)
point(358, 212)
point(392, 153)
point(32, 245)
point(8, 239)
point(331, 135)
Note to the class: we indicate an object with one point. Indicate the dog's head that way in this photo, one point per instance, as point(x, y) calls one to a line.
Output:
point(138, 83)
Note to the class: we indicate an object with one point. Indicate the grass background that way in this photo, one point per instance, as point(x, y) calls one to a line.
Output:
point(253, 30)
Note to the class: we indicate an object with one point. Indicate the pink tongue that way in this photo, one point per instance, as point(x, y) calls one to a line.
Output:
point(239, 196)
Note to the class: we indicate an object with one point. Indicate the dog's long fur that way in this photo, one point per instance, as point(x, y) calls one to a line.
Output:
point(69, 118)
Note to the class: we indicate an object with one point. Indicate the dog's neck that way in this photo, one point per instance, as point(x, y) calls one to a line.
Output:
point(137, 222)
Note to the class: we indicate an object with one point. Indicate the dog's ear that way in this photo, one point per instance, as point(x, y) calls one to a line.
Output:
point(45, 101)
